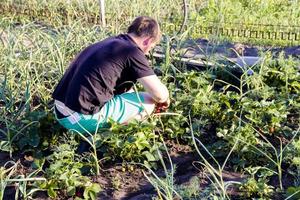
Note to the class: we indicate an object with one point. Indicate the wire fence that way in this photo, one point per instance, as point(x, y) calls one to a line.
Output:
point(251, 32)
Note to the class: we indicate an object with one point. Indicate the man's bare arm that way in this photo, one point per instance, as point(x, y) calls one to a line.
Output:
point(155, 88)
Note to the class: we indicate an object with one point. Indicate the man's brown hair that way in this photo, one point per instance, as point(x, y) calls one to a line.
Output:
point(145, 26)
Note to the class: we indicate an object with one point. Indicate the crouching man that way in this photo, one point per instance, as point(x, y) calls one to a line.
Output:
point(96, 86)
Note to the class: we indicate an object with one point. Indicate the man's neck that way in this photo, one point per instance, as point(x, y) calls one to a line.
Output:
point(138, 41)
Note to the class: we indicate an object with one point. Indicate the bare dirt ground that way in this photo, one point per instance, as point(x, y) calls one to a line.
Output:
point(232, 50)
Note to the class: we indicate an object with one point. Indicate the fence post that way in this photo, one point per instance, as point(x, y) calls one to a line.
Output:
point(102, 12)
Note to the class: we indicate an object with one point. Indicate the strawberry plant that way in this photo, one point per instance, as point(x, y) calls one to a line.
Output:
point(184, 89)
point(283, 75)
point(267, 116)
point(136, 141)
point(257, 183)
point(64, 173)
point(293, 157)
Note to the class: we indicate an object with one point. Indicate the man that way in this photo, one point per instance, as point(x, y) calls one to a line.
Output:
point(96, 86)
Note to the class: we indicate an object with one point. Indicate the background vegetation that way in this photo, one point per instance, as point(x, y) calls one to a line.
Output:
point(234, 120)
point(278, 16)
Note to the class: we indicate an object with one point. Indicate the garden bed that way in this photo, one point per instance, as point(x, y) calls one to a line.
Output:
point(231, 134)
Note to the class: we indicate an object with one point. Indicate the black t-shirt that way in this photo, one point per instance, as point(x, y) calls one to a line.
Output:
point(99, 72)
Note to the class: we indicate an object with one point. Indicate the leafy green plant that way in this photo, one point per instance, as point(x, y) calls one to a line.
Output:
point(214, 107)
point(34, 129)
point(12, 131)
point(202, 13)
point(293, 193)
point(258, 187)
point(283, 75)
point(268, 116)
point(64, 173)
point(278, 160)
point(245, 112)
point(136, 141)
point(293, 157)
point(191, 191)
point(183, 89)
point(91, 139)
point(249, 102)
point(295, 160)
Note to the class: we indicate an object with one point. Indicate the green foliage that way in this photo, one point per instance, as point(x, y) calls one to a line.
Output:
point(183, 90)
point(174, 127)
point(9, 175)
point(165, 187)
point(296, 148)
point(293, 157)
point(267, 115)
point(293, 193)
point(191, 191)
point(258, 186)
point(38, 129)
point(252, 105)
point(136, 141)
point(31, 135)
point(64, 173)
point(91, 191)
point(201, 13)
point(243, 111)
point(283, 75)
point(217, 108)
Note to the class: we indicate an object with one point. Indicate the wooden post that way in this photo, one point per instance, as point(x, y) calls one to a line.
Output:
point(102, 12)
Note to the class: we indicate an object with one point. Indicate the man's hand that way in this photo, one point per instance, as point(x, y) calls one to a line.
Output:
point(162, 107)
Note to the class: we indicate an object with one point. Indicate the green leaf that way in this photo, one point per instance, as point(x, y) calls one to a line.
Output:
point(147, 164)
point(51, 192)
point(38, 163)
point(141, 144)
point(131, 139)
point(71, 190)
point(91, 191)
point(292, 191)
point(149, 156)
point(95, 188)
point(141, 135)
point(296, 161)
point(4, 146)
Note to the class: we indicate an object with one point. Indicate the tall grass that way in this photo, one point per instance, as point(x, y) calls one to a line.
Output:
point(169, 13)
point(261, 11)
point(34, 57)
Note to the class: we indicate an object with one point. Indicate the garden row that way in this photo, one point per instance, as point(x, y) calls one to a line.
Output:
point(233, 120)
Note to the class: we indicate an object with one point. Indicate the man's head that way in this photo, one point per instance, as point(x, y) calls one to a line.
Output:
point(146, 32)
